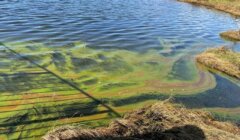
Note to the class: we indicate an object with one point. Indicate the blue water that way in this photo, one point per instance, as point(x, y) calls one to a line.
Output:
point(132, 25)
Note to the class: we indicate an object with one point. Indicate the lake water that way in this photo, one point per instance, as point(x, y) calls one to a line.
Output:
point(84, 62)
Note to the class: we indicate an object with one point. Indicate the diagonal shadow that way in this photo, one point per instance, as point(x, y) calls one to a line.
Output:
point(47, 110)
point(62, 79)
point(53, 101)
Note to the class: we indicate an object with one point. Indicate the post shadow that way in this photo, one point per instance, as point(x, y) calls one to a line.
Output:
point(63, 80)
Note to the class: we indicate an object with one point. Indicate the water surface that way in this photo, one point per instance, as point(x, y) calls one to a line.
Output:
point(87, 61)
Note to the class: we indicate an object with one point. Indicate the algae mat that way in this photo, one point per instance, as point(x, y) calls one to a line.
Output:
point(43, 87)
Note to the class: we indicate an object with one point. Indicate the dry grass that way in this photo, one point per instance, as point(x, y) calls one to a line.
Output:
point(231, 35)
point(229, 6)
point(221, 59)
point(162, 120)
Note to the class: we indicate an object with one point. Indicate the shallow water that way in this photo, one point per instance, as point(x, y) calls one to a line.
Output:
point(123, 53)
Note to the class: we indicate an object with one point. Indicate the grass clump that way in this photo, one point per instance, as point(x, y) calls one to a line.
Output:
point(231, 35)
point(221, 59)
point(162, 120)
point(229, 6)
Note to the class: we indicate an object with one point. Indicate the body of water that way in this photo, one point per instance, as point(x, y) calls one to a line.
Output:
point(84, 62)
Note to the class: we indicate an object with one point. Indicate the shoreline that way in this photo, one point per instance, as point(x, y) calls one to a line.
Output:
point(231, 35)
point(225, 7)
point(221, 59)
point(161, 120)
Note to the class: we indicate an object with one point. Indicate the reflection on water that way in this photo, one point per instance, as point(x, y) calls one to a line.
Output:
point(130, 53)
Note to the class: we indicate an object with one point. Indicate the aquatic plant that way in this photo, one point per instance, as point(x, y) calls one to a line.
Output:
point(52, 84)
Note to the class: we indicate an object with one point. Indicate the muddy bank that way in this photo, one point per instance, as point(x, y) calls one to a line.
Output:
point(231, 35)
point(229, 6)
point(162, 120)
point(221, 59)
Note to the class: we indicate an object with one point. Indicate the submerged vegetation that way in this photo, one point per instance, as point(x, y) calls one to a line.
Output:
point(229, 6)
point(118, 78)
point(221, 59)
point(136, 56)
point(84, 86)
point(96, 70)
point(161, 120)
point(44, 87)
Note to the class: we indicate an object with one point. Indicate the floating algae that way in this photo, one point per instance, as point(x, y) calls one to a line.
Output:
point(181, 70)
point(52, 86)
point(148, 70)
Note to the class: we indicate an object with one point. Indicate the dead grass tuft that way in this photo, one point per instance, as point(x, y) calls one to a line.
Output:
point(162, 120)
point(229, 6)
point(221, 59)
point(231, 35)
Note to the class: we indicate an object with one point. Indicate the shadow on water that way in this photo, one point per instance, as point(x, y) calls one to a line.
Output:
point(43, 114)
point(40, 114)
point(66, 82)
point(23, 82)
